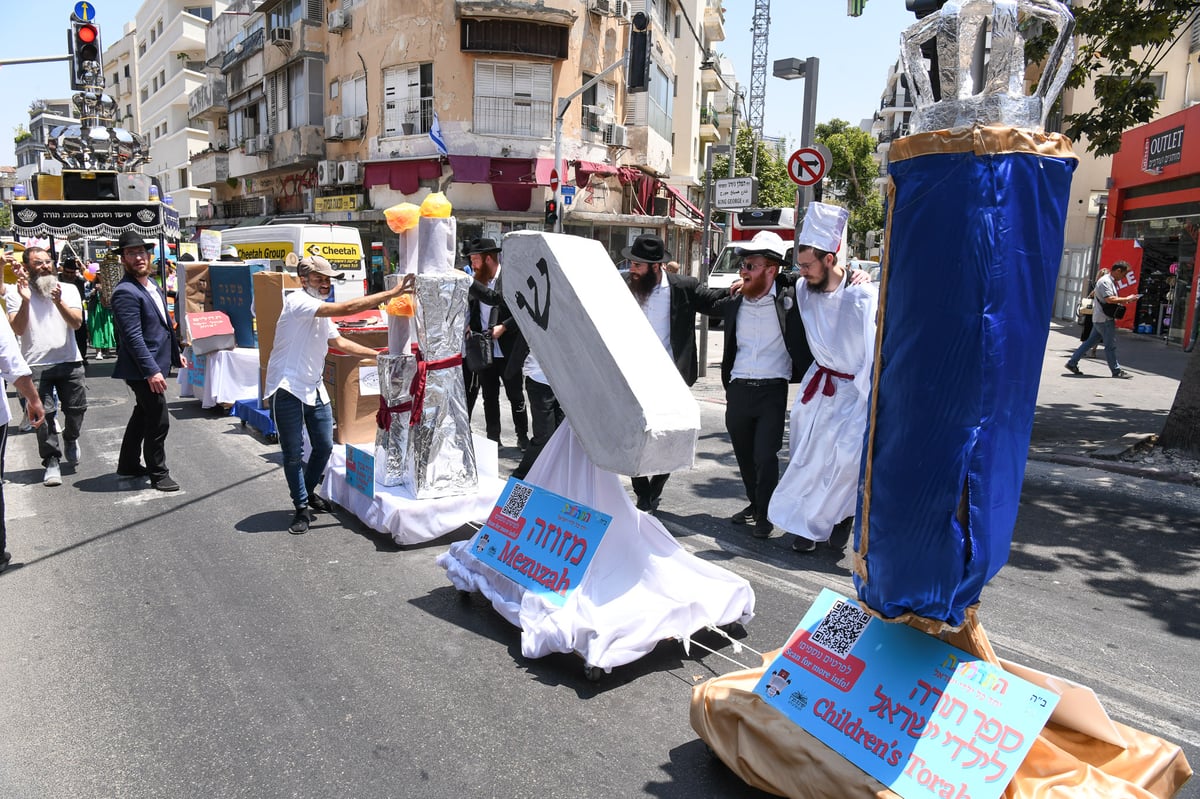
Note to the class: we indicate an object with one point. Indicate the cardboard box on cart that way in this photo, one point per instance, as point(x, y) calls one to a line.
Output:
point(269, 288)
point(353, 386)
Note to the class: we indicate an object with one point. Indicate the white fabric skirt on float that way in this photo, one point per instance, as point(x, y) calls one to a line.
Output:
point(393, 509)
point(641, 588)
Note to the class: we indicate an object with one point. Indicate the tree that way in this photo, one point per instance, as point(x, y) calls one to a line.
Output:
point(1182, 429)
point(1108, 32)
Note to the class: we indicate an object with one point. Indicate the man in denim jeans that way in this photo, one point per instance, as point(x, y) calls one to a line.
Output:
point(299, 401)
point(1104, 327)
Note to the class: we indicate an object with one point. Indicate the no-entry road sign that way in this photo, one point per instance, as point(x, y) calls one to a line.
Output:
point(807, 165)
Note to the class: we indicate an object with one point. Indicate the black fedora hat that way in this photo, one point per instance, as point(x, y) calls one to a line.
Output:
point(647, 249)
point(131, 238)
point(481, 246)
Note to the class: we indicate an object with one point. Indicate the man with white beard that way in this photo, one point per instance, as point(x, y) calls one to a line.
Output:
point(45, 315)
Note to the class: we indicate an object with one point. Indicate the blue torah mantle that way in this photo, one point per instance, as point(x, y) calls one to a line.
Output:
point(974, 239)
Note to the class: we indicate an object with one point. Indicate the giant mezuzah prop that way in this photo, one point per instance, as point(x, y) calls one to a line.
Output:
point(424, 427)
point(627, 404)
point(977, 205)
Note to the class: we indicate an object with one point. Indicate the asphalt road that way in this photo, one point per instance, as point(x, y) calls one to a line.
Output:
point(184, 645)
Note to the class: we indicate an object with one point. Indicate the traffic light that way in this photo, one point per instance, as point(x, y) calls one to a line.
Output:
point(83, 41)
point(923, 8)
point(637, 73)
point(551, 212)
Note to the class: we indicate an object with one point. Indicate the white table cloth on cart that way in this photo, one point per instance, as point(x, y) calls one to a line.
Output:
point(641, 588)
point(227, 376)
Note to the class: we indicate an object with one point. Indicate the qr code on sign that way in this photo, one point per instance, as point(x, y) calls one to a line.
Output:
point(514, 506)
point(840, 629)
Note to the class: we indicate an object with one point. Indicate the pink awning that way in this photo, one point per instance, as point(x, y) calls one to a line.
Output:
point(470, 168)
point(585, 169)
point(512, 182)
point(403, 176)
point(680, 197)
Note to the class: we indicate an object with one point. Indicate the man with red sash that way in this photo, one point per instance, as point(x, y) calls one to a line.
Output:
point(829, 416)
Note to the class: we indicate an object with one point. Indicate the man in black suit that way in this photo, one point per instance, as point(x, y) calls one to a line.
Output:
point(756, 370)
point(147, 348)
point(670, 302)
point(489, 319)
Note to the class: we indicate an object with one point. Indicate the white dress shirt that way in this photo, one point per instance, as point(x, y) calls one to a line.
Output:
point(658, 311)
point(761, 353)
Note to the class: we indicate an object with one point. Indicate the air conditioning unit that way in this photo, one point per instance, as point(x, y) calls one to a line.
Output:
point(602, 7)
point(615, 135)
point(327, 173)
point(347, 172)
point(250, 146)
point(333, 128)
point(281, 36)
point(264, 143)
point(352, 127)
point(591, 118)
point(339, 20)
point(621, 9)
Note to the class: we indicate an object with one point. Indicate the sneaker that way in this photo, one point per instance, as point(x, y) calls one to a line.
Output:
point(53, 474)
point(762, 529)
point(319, 504)
point(1121, 373)
point(802, 544)
point(1073, 368)
point(164, 484)
point(747, 515)
point(71, 452)
point(4, 559)
point(299, 525)
point(25, 426)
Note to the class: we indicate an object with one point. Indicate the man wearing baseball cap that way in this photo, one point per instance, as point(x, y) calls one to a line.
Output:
point(294, 384)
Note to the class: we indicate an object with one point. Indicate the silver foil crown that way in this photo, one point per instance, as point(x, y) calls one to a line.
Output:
point(981, 64)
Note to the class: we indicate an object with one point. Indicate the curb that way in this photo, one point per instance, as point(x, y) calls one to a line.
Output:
point(1133, 470)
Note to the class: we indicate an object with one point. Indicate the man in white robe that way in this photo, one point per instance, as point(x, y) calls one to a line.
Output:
point(829, 416)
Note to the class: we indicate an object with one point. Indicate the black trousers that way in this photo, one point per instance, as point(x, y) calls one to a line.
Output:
point(546, 415)
point(650, 488)
point(487, 382)
point(146, 433)
point(3, 529)
point(754, 416)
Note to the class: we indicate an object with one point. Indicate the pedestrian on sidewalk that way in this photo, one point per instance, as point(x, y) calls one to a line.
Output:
point(295, 384)
point(1104, 324)
point(147, 349)
point(45, 315)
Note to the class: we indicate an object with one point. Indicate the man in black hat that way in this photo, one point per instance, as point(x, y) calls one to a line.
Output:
point(488, 320)
point(670, 302)
point(147, 348)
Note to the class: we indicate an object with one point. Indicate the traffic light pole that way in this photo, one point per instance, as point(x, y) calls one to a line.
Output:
point(5, 62)
point(561, 111)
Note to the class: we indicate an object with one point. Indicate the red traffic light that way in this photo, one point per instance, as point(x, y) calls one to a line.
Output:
point(87, 33)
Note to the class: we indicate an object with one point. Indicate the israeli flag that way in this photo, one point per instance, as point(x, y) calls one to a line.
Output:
point(435, 133)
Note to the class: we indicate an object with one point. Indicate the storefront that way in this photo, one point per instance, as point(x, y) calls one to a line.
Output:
point(1153, 222)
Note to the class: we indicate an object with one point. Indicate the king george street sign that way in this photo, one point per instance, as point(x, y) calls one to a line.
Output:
point(734, 194)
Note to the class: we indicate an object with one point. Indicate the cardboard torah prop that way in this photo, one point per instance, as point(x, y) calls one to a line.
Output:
point(630, 409)
point(976, 206)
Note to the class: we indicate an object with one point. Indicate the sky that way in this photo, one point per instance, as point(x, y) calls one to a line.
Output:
point(855, 54)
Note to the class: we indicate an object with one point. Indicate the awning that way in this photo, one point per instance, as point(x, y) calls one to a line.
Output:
point(402, 176)
point(253, 221)
point(102, 219)
point(585, 169)
point(680, 197)
point(512, 182)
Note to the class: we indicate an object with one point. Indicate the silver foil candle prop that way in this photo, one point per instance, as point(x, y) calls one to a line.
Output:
point(395, 405)
point(441, 456)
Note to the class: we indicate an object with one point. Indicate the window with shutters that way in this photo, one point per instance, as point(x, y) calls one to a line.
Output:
point(513, 99)
point(661, 101)
point(521, 37)
point(295, 96)
point(407, 100)
point(354, 97)
point(289, 12)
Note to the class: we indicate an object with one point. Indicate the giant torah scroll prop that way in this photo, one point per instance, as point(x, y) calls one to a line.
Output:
point(976, 209)
point(629, 407)
point(641, 587)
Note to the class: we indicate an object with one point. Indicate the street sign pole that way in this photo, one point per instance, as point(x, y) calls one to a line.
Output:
point(706, 246)
point(804, 194)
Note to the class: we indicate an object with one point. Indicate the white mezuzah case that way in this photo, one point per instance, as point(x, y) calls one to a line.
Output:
point(627, 404)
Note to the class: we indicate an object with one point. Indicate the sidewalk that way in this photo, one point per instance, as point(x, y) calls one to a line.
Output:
point(1077, 415)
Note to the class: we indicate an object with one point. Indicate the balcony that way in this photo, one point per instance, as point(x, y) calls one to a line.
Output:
point(714, 21)
point(210, 100)
point(710, 124)
point(710, 79)
point(175, 92)
point(185, 33)
point(210, 167)
point(290, 147)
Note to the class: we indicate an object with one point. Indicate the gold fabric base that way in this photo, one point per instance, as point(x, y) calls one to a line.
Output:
point(771, 753)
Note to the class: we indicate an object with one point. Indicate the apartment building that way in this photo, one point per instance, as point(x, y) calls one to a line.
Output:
point(30, 146)
point(321, 109)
